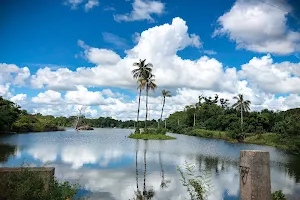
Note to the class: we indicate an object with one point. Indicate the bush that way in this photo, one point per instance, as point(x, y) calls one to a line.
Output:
point(27, 185)
point(278, 195)
point(234, 134)
point(137, 131)
point(197, 185)
point(162, 131)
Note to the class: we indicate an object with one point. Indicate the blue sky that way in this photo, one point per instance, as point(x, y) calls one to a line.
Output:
point(61, 54)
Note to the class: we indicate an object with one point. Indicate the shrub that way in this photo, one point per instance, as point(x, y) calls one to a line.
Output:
point(27, 185)
point(278, 195)
point(197, 185)
point(137, 131)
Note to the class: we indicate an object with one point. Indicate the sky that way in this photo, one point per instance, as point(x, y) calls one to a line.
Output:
point(57, 56)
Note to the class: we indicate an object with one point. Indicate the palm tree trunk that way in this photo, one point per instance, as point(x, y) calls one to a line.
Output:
point(147, 91)
point(242, 120)
point(138, 112)
point(162, 109)
point(194, 119)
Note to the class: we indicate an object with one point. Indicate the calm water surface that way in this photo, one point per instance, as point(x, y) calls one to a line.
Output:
point(103, 161)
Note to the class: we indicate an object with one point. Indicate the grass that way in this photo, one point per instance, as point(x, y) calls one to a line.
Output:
point(27, 185)
point(210, 134)
point(290, 144)
point(151, 136)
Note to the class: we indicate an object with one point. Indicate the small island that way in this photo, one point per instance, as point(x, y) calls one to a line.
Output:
point(85, 127)
point(151, 134)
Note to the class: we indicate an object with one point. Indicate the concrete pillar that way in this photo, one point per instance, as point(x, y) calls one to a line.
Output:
point(255, 183)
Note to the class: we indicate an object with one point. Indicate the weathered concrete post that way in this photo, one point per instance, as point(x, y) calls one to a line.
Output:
point(255, 181)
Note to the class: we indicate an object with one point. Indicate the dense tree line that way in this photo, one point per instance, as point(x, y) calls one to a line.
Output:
point(211, 113)
point(14, 119)
point(214, 113)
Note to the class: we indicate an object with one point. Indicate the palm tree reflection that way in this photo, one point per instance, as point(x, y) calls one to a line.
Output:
point(164, 183)
point(147, 194)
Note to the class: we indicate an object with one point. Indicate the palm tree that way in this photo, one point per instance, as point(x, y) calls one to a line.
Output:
point(165, 94)
point(242, 106)
point(141, 87)
point(150, 85)
point(139, 72)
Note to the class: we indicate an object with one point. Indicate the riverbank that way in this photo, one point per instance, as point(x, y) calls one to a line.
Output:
point(290, 144)
point(151, 137)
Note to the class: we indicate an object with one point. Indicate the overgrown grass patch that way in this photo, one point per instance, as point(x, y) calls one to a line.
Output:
point(151, 136)
point(209, 134)
point(290, 144)
point(27, 185)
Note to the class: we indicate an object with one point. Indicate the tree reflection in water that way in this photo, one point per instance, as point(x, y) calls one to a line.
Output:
point(6, 151)
point(147, 194)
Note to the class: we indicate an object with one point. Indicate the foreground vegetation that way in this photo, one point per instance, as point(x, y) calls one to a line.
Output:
point(27, 185)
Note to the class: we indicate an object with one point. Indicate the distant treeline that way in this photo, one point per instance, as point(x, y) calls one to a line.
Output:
point(14, 119)
point(101, 122)
point(210, 113)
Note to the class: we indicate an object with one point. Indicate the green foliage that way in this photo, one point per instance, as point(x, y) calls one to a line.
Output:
point(5, 151)
point(278, 195)
point(197, 185)
point(150, 136)
point(137, 131)
point(12, 119)
point(35, 123)
point(289, 126)
point(214, 114)
point(27, 185)
point(9, 113)
point(154, 131)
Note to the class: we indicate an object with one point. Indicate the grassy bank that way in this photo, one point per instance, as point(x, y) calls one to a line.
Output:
point(209, 134)
point(290, 144)
point(151, 137)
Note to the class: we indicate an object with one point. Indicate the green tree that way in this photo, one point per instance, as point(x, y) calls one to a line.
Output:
point(241, 105)
point(9, 113)
point(165, 94)
point(139, 73)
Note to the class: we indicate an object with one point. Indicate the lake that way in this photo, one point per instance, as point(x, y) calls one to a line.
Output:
point(103, 161)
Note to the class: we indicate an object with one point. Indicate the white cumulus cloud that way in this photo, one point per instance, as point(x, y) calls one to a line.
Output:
point(48, 97)
point(142, 10)
point(84, 97)
point(272, 77)
point(19, 99)
point(260, 27)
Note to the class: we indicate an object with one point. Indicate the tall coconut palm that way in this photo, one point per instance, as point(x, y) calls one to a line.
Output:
point(165, 94)
point(141, 87)
point(150, 85)
point(137, 73)
point(241, 105)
